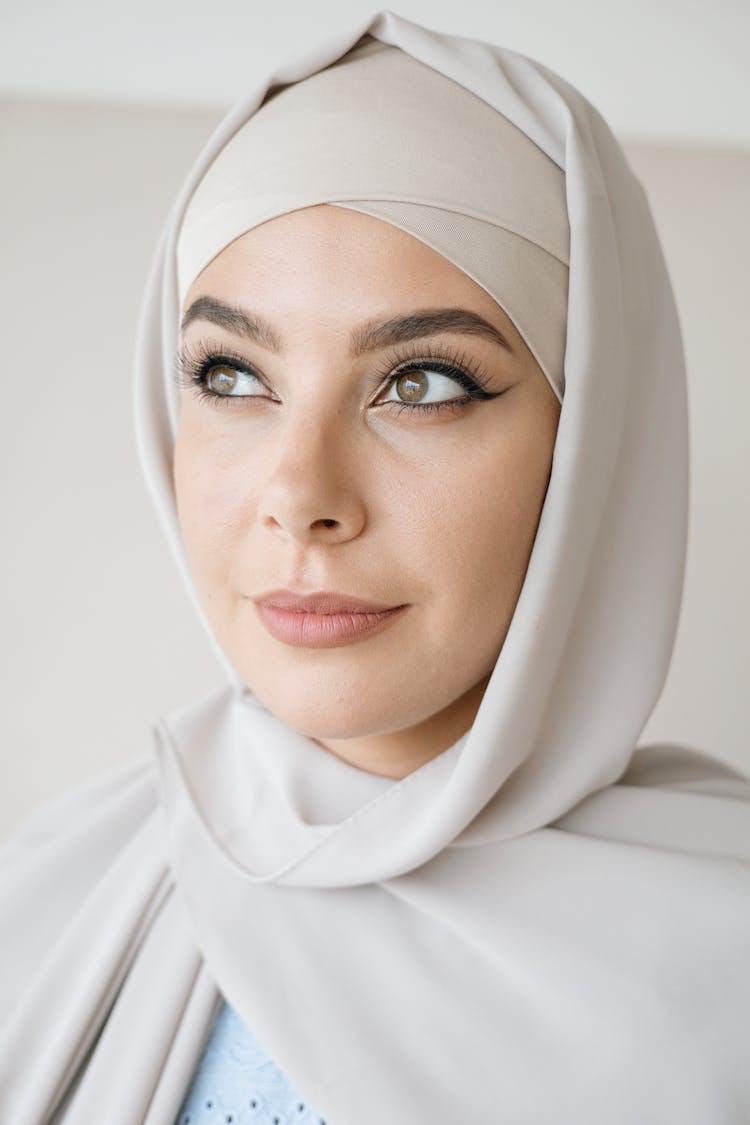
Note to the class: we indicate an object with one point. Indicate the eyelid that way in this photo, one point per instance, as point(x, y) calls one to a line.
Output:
point(444, 356)
point(193, 361)
point(466, 373)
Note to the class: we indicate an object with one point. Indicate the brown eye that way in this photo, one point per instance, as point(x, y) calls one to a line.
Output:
point(412, 386)
point(431, 384)
point(232, 382)
point(222, 380)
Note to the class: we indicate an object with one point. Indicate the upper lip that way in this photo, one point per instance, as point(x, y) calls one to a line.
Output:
point(323, 601)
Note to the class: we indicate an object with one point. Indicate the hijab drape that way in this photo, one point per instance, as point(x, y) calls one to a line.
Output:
point(539, 925)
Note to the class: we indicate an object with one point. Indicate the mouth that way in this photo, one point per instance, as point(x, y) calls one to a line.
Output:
point(322, 620)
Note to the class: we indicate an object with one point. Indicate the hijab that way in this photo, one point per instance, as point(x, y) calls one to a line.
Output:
point(381, 133)
point(541, 923)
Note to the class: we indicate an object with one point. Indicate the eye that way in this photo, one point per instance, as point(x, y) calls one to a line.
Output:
point(422, 386)
point(225, 380)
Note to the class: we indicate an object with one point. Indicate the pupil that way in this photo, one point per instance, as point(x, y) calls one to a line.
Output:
point(222, 379)
point(412, 387)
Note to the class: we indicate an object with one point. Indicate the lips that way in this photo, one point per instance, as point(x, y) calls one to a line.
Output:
point(322, 620)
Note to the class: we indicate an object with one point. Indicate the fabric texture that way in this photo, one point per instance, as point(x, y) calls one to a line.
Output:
point(238, 1084)
point(557, 918)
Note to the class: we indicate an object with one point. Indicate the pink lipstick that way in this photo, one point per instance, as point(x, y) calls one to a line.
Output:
point(322, 620)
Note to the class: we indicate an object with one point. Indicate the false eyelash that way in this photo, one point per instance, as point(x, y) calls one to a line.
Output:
point(467, 373)
point(193, 363)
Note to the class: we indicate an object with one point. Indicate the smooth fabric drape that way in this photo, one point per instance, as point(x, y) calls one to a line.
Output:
point(540, 925)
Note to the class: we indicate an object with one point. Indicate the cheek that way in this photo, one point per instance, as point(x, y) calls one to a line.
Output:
point(213, 497)
point(480, 513)
point(477, 538)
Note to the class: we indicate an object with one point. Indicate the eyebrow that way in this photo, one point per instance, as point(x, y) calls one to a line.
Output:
point(369, 337)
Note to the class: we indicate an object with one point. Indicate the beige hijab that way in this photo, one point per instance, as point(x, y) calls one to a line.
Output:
point(382, 133)
point(536, 926)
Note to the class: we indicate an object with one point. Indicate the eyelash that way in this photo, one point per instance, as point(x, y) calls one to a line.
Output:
point(192, 366)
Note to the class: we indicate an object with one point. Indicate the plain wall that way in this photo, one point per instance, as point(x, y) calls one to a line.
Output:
point(674, 71)
point(98, 636)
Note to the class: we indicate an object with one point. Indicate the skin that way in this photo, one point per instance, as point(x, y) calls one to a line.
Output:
point(323, 482)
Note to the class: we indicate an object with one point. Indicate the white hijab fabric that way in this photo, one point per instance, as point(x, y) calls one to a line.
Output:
point(536, 926)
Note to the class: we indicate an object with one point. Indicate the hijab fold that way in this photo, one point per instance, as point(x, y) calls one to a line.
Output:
point(542, 923)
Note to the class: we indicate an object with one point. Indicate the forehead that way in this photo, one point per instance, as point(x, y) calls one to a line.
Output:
point(341, 261)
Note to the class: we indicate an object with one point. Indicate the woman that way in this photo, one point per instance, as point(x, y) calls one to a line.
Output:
point(425, 471)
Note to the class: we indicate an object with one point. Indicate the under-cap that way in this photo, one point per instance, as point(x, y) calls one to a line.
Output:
point(382, 133)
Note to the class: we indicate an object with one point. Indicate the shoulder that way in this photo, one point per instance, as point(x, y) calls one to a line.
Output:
point(78, 809)
point(52, 861)
point(672, 766)
point(671, 797)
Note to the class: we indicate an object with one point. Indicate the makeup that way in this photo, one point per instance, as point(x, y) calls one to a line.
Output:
point(324, 620)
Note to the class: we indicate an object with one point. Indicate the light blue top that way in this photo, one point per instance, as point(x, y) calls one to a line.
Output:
point(236, 1083)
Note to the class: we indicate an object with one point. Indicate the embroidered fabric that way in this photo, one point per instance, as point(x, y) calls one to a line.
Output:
point(236, 1083)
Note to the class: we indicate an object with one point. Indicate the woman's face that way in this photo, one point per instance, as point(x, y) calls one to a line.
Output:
point(359, 420)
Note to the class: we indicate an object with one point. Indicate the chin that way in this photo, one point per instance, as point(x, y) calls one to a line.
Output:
point(334, 713)
point(335, 721)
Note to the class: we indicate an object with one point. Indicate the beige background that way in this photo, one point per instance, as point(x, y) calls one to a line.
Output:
point(97, 635)
point(665, 71)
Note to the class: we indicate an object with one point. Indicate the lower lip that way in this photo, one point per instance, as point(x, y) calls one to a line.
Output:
point(324, 630)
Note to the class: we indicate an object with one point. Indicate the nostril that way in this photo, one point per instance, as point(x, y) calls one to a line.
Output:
point(327, 523)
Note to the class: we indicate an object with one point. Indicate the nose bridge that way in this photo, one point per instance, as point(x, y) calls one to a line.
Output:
point(313, 488)
point(311, 449)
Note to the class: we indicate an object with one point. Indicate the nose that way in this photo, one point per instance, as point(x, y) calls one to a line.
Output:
point(312, 493)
